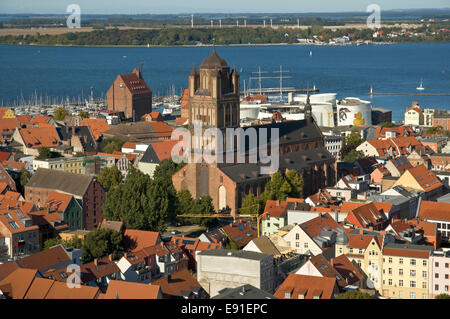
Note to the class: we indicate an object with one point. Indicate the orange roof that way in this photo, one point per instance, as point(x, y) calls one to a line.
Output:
point(434, 211)
point(275, 208)
point(4, 156)
point(119, 289)
point(314, 226)
point(362, 241)
point(12, 220)
point(3, 186)
point(58, 201)
point(163, 149)
point(181, 120)
point(295, 200)
point(40, 119)
point(8, 125)
point(60, 290)
point(180, 281)
point(39, 288)
point(425, 177)
point(135, 240)
point(18, 282)
point(18, 165)
point(135, 83)
point(308, 286)
point(96, 126)
point(36, 137)
point(406, 252)
point(327, 270)
point(129, 145)
point(24, 119)
point(239, 232)
point(161, 129)
point(347, 269)
point(366, 215)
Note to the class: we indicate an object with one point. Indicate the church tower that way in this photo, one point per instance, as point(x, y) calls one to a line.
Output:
point(214, 93)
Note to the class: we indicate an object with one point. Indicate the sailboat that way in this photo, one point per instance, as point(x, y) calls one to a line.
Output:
point(420, 88)
point(310, 53)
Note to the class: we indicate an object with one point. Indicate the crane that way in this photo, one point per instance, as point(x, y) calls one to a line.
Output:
point(238, 216)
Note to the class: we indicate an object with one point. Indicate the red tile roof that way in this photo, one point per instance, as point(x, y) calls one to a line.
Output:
point(275, 208)
point(119, 289)
point(177, 283)
point(426, 178)
point(327, 270)
point(135, 240)
point(58, 202)
point(314, 226)
point(434, 211)
point(308, 286)
point(4, 156)
point(347, 269)
point(406, 253)
point(163, 149)
point(239, 232)
point(134, 83)
point(365, 216)
point(96, 126)
point(35, 137)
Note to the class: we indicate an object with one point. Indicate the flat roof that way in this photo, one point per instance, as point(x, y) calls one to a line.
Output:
point(234, 253)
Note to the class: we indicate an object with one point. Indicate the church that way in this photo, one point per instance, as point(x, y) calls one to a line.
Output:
point(214, 100)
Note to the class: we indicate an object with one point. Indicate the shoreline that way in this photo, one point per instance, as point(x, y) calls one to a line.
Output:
point(210, 45)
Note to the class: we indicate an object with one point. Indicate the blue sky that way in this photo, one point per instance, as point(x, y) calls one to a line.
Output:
point(210, 6)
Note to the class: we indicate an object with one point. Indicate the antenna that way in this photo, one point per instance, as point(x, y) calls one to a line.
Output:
point(141, 63)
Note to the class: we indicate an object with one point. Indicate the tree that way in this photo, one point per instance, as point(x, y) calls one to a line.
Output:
point(387, 124)
point(44, 153)
point(352, 141)
point(83, 114)
point(74, 242)
point(249, 204)
point(24, 177)
point(353, 156)
point(296, 182)
point(142, 203)
point(110, 177)
point(109, 145)
point(60, 114)
point(185, 202)
point(101, 243)
point(166, 169)
point(442, 296)
point(354, 294)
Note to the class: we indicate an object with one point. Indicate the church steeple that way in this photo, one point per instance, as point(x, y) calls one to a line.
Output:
point(308, 108)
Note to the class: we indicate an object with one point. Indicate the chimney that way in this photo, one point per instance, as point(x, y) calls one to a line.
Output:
point(361, 231)
point(126, 255)
point(382, 233)
point(110, 257)
point(96, 262)
point(332, 262)
point(371, 228)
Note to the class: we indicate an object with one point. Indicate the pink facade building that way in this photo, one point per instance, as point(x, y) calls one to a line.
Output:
point(439, 273)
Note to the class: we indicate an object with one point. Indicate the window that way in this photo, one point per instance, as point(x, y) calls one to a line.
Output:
point(390, 260)
point(436, 275)
point(446, 265)
point(436, 287)
point(297, 236)
point(390, 282)
point(306, 245)
point(412, 273)
point(400, 283)
point(424, 274)
point(446, 288)
point(424, 263)
point(412, 295)
point(424, 285)
point(297, 244)
point(287, 295)
point(400, 272)
point(400, 261)
point(412, 284)
point(412, 262)
point(446, 276)
point(390, 271)
point(436, 264)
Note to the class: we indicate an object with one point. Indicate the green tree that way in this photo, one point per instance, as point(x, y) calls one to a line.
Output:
point(142, 203)
point(353, 156)
point(249, 204)
point(296, 182)
point(74, 242)
point(60, 114)
point(354, 294)
point(109, 145)
point(25, 176)
point(83, 114)
point(442, 296)
point(44, 153)
point(110, 177)
point(185, 202)
point(352, 141)
point(101, 243)
point(387, 124)
point(166, 169)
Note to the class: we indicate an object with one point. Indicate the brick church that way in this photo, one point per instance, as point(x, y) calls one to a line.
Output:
point(214, 100)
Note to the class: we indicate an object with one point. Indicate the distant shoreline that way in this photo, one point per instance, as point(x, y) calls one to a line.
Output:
point(210, 45)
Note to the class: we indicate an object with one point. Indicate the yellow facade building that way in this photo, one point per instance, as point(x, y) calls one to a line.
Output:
point(406, 271)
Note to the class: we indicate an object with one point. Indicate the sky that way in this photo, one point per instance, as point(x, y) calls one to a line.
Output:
point(210, 6)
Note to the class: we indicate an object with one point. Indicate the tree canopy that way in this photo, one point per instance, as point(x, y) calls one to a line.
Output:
point(354, 294)
point(348, 151)
point(44, 153)
point(442, 296)
point(60, 114)
point(110, 177)
point(100, 243)
point(83, 114)
point(110, 145)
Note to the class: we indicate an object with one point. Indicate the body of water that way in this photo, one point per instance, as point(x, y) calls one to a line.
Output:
point(346, 70)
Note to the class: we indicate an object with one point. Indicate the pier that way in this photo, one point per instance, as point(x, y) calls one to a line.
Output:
point(424, 94)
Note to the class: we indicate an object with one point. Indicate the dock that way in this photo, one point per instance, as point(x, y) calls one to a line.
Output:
point(423, 94)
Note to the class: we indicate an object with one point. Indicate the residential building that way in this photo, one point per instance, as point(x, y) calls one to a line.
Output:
point(100, 272)
point(155, 154)
point(441, 118)
point(140, 132)
point(439, 278)
point(319, 266)
point(84, 188)
point(32, 138)
point(438, 213)
point(219, 269)
point(440, 162)
point(398, 165)
point(274, 217)
point(421, 179)
point(239, 232)
point(130, 94)
point(119, 289)
point(368, 216)
point(406, 271)
point(96, 126)
point(414, 115)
